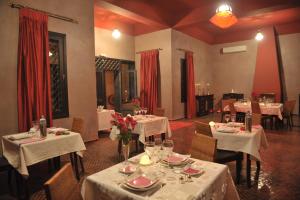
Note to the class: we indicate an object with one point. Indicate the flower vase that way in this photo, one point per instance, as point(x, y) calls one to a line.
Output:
point(126, 151)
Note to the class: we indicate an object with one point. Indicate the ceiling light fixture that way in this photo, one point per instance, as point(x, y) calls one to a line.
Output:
point(224, 18)
point(259, 36)
point(116, 34)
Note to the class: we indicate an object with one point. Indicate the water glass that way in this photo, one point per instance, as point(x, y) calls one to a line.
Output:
point(149, 148)
point(168, 146)
point(227, 118)
point(233, 117)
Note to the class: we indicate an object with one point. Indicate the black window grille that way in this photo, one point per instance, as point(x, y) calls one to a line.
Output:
point(58, 67)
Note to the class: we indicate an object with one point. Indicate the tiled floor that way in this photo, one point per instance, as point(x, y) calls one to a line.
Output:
point(279, 178)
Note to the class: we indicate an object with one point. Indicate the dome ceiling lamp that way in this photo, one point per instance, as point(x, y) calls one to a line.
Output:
point(224, 18)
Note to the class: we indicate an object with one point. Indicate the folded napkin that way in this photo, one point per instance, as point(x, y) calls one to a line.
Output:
point(19, 136)
point(227, 130)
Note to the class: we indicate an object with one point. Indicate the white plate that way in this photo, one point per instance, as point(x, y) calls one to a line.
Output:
point(141, 182)
point(129, 169)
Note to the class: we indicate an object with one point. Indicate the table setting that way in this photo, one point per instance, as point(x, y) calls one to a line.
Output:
point(159, 173)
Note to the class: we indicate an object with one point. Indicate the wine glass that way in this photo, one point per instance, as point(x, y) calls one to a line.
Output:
point(168, 146)
point(233, 117)
point(149, 148)
point(158, 148)
point(227, 118)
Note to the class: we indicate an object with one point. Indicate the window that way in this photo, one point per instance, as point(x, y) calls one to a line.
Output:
point(183, 80)
point(58, 67)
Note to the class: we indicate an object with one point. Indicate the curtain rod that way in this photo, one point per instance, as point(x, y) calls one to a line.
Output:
point(185, 50)
point(159, 49)
point(18, 6)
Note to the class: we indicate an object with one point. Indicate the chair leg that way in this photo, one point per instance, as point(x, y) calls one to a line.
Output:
point(76, 166)
point(238, 171)
point(9, 178)
point(248, 171)
point(71, 159)
point(81, 164)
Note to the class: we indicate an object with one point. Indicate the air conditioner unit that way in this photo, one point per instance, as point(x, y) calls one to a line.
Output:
point(234, 49)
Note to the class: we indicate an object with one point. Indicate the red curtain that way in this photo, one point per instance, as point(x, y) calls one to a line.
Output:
point(34, 90)
point(191, 100)
point(149, 79)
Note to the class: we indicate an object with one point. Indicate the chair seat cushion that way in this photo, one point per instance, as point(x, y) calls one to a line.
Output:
point(4, 165)
point(223, 156)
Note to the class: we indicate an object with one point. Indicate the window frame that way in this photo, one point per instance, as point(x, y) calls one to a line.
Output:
point(63, 74)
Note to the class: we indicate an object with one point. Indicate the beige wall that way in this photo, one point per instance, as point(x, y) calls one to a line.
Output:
point(202, 68)
point(106, 45)
point(159, 39)
point(80, 61)
point(233, 71)
point(290, 48)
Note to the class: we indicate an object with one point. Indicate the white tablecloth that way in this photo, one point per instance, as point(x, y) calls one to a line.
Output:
point(104, 118)
point(22, 155)
point(242, 141)
point(148, 125)
point(266, 109)
point(213, 184)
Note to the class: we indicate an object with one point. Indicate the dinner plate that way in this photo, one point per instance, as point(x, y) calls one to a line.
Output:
point(192, 171)
point(141, 189)
point(176, 159)
point(140, 182)
point(129, 169)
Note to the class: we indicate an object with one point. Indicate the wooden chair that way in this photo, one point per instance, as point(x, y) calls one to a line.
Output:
point(6, 167)
point(62, 185)
point(159, 112)
point(203, 147)
point(256, 109)
point(219, 156)
point(78, 127)
point(288, 108)
point(203, 128)
point(226, 103)
point(256, 119)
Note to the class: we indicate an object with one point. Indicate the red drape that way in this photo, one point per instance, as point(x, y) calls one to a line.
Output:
point(191, 100)
point(149, 79)
point(34, 90)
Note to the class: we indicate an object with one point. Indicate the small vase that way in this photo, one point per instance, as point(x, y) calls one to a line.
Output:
point(125, 151)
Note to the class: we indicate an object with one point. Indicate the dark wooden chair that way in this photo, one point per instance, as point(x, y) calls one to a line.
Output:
point(220, 156)
point(78, 127)
point(62, 185)
point(288, 108)
point(6, 167)
point(264, 118)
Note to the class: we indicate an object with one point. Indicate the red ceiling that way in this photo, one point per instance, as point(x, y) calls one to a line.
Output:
point(191, 17)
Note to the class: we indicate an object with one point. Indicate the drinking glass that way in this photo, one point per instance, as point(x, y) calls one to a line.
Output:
point(233, 117)
point(158, 148)
point(168, 146)
point(227, 118)
point(149, 148)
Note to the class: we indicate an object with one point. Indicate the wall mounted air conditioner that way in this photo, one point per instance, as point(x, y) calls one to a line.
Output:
point(234, 49)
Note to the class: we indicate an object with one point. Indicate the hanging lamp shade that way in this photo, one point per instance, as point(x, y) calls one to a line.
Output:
point(224, 18)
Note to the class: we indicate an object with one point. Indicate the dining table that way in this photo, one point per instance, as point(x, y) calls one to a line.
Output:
point(147, 126)
point(272, 109)
point(214, 182)
point(104, 119)
point(26, 149)
point(233, 137)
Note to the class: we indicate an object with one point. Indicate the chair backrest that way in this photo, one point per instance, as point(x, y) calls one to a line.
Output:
point(62, 184)
point(256, 119)
point(289, 106)
point(159, 112)
point(203, 128)
point(78, 125)
point(255, 107)
point(226, 102)
point(203, 147)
